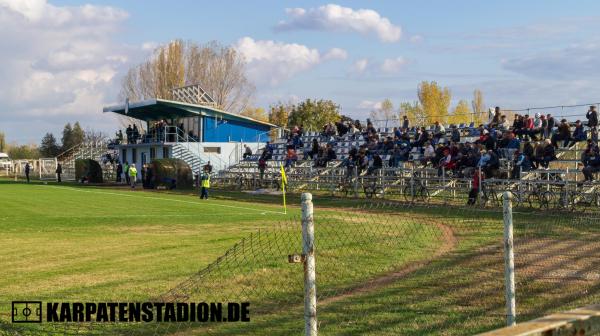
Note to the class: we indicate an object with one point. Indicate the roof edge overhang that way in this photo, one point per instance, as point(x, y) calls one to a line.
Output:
point(193, 108)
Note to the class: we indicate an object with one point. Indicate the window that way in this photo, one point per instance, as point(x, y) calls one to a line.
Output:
point(212, 150)
point(152, 153)
point(133, 155)
point(165, 152)
point(124, 157)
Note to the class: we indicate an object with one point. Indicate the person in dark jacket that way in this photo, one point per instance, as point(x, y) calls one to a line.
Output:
point(548, 154)
point(522, 163)
point(551, 122)
point(592, 117)
point(455, 136)
point(377, 164)
point(27, 171)
point(591, 163)
point(563, 134)
point(405, 123)
point(58, 172)
point(119, 171)
point(578, 134)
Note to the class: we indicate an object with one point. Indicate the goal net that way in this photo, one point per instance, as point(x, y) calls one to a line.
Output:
point(46, 168)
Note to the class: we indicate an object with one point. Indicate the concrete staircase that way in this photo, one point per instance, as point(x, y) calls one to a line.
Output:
point(192, 158)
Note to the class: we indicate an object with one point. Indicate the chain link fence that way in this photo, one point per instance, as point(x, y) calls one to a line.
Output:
point(385, 268)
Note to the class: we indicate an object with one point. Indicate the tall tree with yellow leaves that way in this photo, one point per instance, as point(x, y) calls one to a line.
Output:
point(461, 113)
point(256, 113)
point(434, 100)
point(414, 112)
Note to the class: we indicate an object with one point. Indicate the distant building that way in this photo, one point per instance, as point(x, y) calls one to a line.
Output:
point(190, 129)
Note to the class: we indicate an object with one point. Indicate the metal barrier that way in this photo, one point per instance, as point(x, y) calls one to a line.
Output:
point(580, 321)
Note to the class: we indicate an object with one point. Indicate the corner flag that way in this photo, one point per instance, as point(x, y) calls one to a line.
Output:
point(283, 184)
point(283, 177)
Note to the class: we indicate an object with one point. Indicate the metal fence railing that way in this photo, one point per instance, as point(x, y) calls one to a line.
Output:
point(386, 268)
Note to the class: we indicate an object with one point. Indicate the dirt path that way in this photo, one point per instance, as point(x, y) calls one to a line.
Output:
point(449, 243)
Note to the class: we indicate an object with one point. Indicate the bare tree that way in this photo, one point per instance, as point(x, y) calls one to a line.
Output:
point(479, 112)
point(220, 70)
point(94, 136)
point(384, 112)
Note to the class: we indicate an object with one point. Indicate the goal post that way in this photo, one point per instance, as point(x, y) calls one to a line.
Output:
point(47, 168)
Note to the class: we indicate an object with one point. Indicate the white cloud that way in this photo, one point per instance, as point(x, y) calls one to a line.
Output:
point(387, 67)
point(149, 45)
point(336, 53)
point(59, 63)
point(360, 66)
point(416, 39)
point(369, 104)
point(393, 65)
point(334, 17)
point(273, 62)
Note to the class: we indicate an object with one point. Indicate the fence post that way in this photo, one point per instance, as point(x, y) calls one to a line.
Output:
point(509, 260)
point(480, 188)
point(355, 181)
point(308, 250)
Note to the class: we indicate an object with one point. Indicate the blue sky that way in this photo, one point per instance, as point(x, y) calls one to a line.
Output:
point(63, 60)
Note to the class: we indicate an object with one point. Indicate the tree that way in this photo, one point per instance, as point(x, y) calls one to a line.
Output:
point(23, 152)
point(2, 142)
point(49, 147)
point(314, 114)
point(78, 134)
point(93, 136)
point(434, 100)
point(257, 113)
point(72, 136)
point(384, 112)
point(220, 70)
point(461, 113)
point(279, 114)
point(414, 112)
point(67, 137)
point(479, 110)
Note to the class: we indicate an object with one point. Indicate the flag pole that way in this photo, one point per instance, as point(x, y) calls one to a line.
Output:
point(283, 183)
point(284, 206)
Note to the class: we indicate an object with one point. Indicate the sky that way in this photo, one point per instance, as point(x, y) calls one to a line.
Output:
point(63, 61)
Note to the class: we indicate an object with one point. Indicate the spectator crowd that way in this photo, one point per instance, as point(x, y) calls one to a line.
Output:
point(530, 142)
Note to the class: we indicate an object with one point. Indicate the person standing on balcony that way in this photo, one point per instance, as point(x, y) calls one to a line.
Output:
point(128, 133)
point(135, 134)
point(119, 136)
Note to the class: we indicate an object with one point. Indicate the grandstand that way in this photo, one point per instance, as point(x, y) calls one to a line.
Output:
point(191, 129)
point(402, 171)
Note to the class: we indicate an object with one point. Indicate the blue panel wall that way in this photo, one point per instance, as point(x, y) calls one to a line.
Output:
point(232, 130)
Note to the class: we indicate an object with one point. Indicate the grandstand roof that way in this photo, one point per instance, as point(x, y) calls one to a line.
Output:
point(156, 109)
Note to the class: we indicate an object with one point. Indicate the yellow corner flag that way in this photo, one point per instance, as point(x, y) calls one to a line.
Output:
point(283, 184)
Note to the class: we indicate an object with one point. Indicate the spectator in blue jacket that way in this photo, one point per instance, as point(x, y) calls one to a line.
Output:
point(578, 134)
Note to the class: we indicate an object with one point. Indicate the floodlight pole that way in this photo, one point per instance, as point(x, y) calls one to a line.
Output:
point(509, 260)
point(308, 251)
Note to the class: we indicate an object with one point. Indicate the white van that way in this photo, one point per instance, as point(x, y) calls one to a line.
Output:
point(5, 162)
